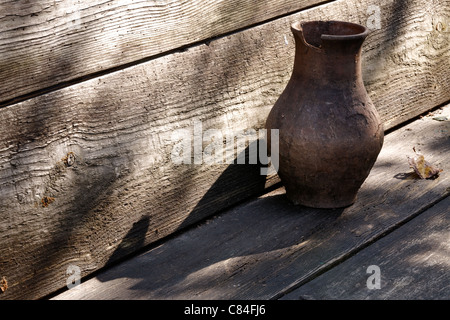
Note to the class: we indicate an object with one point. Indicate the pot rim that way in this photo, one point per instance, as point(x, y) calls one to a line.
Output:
point(297, 27)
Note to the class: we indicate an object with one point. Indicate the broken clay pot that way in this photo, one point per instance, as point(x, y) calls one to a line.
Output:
point(330, 133)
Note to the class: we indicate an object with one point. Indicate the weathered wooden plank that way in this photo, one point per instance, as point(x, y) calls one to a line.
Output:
point(45, 43)
point(119, 127)
point(413, 264)
point(418, 34)
point(69, 49)
point(265, 247)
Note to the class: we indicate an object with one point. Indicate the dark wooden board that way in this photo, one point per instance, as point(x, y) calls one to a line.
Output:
point(413, 262)
point(267, 247)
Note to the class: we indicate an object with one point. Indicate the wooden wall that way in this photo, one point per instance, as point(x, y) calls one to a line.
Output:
point(91, 92)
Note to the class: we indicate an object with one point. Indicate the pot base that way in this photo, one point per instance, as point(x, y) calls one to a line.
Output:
point(319, 202)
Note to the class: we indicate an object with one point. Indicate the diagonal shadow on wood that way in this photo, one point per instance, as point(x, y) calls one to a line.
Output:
point(225, 246)
point(224, 192)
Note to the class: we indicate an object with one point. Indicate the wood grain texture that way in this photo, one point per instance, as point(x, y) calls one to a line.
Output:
point(46, 43)
point(413, 262)
point(266, 247)
point(119, 127)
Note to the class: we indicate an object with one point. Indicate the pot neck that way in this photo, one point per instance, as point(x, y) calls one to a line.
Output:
point(333, 57)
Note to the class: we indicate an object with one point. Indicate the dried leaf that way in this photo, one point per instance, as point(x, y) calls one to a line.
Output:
point(422, 167)
point(45, 201)
point(3, 284)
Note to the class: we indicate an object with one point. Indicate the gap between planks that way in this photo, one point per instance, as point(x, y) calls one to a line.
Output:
point(412, 262)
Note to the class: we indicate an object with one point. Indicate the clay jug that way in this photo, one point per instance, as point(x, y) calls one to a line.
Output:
point(330, 133)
